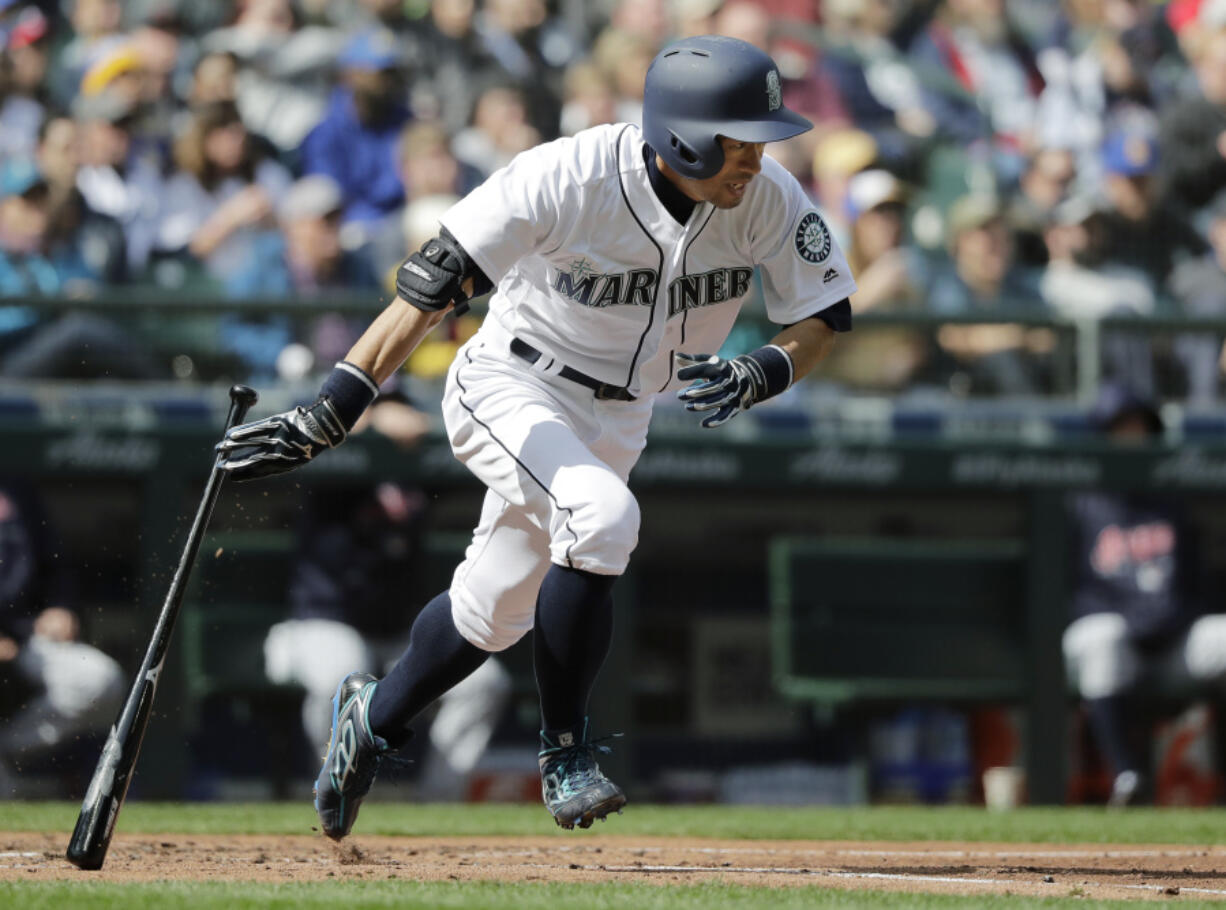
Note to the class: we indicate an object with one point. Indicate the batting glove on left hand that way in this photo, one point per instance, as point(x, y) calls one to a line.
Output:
point(281, 442)
point(730, 386)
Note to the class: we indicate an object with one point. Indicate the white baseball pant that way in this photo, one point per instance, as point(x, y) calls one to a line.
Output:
point(1101, 661)
point(555, 460)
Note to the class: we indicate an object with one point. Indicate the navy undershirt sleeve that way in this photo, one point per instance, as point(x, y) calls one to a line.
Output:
point(837, 316)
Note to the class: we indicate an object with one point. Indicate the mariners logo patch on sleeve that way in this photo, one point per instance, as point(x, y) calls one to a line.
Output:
point(813, 238)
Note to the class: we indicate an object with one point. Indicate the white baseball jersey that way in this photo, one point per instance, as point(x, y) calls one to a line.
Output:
point(593, 271)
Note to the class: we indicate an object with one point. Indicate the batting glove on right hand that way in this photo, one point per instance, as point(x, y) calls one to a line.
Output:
point(280, 443)
point(730, 386)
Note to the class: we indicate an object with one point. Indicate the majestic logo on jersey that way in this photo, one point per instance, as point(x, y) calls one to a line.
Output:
point(774, 94)
point(586, 286)
point(813, 238)
point(688, 292)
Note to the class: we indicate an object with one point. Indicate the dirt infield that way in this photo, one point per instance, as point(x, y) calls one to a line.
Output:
point(1045, 870)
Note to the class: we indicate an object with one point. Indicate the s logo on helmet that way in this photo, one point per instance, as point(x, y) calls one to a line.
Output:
point(813, 241)
point(774, 94)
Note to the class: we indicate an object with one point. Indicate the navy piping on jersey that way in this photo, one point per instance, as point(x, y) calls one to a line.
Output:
point(685, 269)
point(685, 265)
point(468, 355)
point(621, 184)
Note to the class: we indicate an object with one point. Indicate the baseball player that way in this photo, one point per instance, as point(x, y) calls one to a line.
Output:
point(613, 255)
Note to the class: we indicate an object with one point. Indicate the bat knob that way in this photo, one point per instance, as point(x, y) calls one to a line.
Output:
point(244, 395)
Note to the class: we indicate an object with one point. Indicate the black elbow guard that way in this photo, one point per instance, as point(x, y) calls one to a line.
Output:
point(433, 277)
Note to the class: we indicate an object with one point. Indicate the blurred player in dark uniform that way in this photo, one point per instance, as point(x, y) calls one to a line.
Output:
point(54, 688)
point(1138, 602)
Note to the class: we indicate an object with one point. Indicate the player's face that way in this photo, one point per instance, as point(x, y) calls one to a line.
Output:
point(725, 190)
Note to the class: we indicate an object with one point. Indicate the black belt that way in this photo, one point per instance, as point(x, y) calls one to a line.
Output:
point(603, 390)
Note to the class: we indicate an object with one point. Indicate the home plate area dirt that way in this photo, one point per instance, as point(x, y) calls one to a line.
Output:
point(1048, 870)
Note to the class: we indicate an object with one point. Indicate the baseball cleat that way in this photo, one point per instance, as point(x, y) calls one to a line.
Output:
point(575, 790)
point(353, 758)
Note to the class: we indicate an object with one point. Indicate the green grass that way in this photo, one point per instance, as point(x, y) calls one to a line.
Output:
point(1038, 825)
point(406, 895)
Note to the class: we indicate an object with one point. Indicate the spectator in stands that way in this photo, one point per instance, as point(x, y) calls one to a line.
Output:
point(1143, 229)
point(531, 48)
point(96, 28)
point(878, 89)
point(1079, 283)
point(1046, 178)
point(285, 69)
point(50, 249)
point(622, 58)
point(984, 279)
point(1192, 130)
point(214, 78)
point(889, 271)
point(500, 130)
point(1105, 65)
point(29, 266)
point(355, 15)
point(455, 63)
point(1138, 603)
point(651, 19)
point(890, 274)
point(356, 559)
point(305, 259)
point(746, 20)
point(588, 99)
point(226, 188)
point(427, 168)
point(69, 688)
point(839, 156)
point(995, 79)
point(356, 142)
point(97, 239)
point(23, 72)
point(165, 54)
point(1199, 287)
point(119, 177)
point(695, 17)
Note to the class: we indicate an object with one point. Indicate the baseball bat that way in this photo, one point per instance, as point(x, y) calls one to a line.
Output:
point(92, 836)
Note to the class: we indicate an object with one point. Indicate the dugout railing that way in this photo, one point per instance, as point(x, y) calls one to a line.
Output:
point(1057, 357)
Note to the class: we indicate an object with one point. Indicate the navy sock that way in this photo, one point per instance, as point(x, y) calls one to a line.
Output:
point(437, 658)
point(1108, 720)
point(574, 627)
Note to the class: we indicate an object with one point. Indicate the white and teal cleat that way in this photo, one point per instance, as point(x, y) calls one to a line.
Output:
point(575, 790)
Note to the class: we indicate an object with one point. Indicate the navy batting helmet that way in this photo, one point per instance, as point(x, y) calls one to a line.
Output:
point(700, 88)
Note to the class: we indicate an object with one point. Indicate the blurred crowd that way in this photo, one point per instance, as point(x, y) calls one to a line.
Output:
point(1060, 158)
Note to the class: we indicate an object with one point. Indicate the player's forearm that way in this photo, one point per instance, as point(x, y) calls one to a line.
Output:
point(807, 343)
point(391, 338)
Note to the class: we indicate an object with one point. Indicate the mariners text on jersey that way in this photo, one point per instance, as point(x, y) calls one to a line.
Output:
point(637, 287)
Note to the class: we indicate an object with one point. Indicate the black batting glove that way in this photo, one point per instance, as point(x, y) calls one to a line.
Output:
point(282, 442)
point(727, 387)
